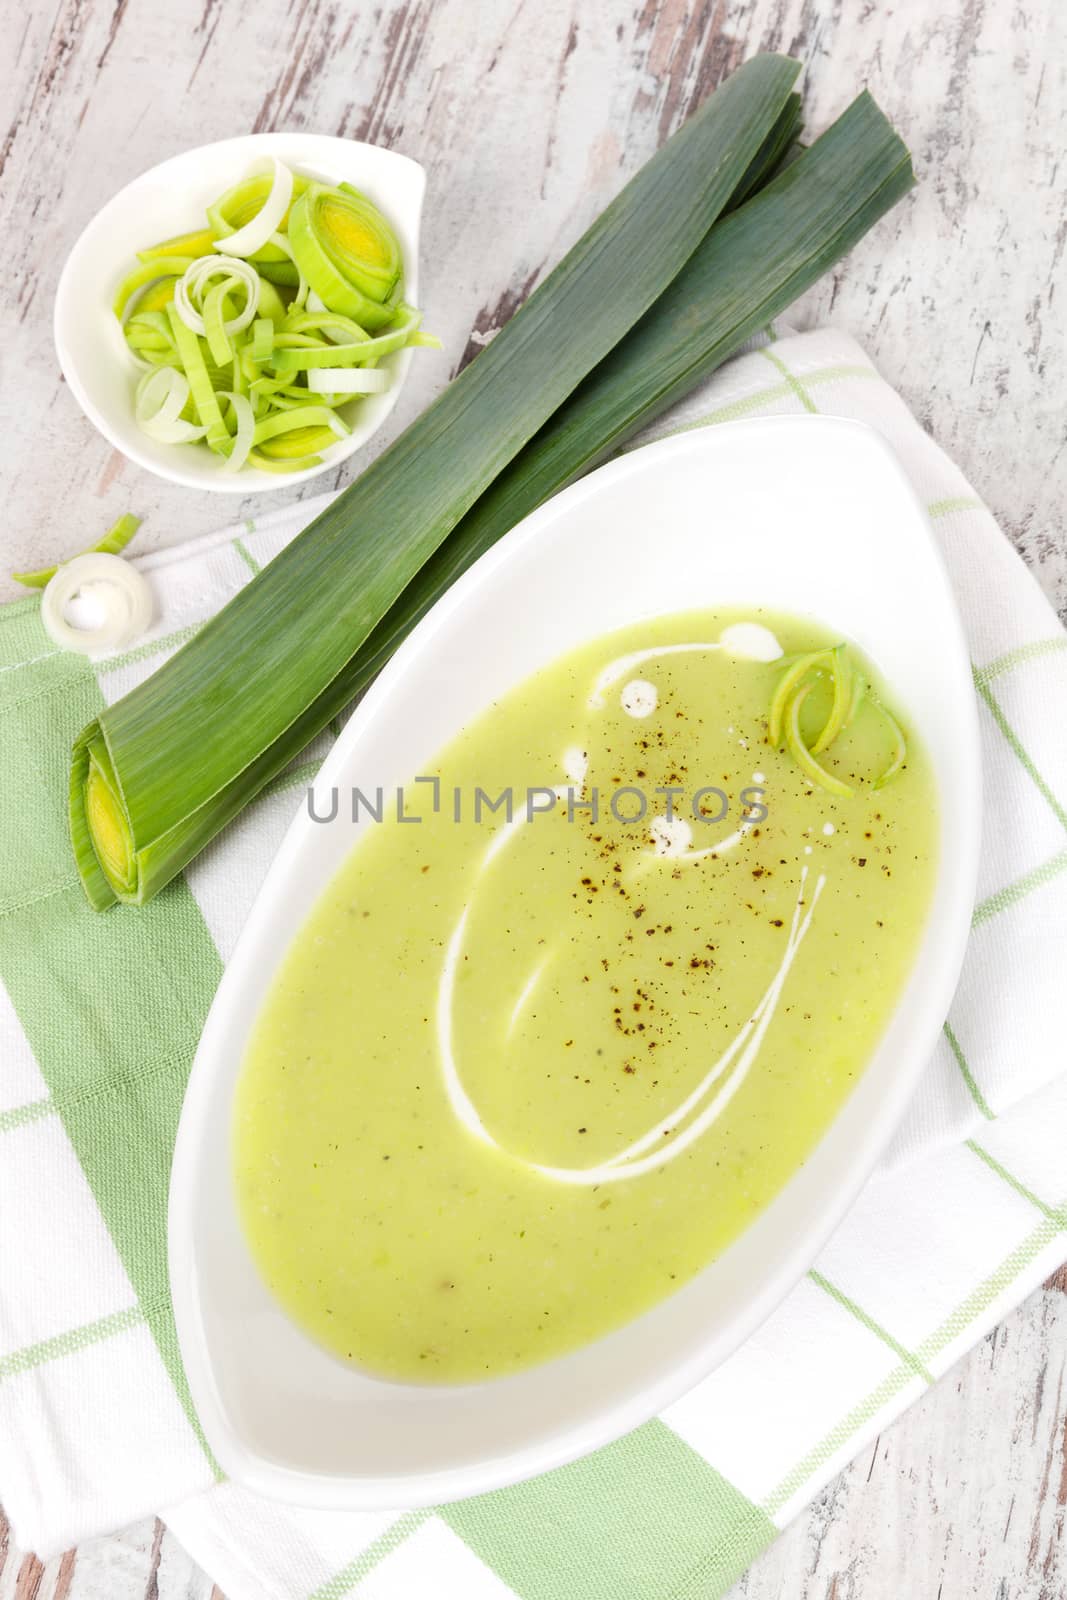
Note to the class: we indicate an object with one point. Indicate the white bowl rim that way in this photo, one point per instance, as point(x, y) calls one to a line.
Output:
point(248, 481)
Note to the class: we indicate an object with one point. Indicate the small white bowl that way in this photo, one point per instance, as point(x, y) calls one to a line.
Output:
point(171, 199)
point(791, 513)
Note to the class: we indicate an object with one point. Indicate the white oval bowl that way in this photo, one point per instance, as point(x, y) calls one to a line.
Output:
point(171, 199)
point(807, 515)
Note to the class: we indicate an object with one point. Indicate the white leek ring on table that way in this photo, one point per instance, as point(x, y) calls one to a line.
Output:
point(258, 232)
point(108, 586)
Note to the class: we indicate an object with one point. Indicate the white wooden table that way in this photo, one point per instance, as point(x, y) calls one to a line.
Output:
point(528, 114)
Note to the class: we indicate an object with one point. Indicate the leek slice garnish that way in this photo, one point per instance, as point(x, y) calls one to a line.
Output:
point(115, 595)
point(197, 243)
point(901, 748)
point(113, 543)
point(839, 711)
point(256, 329)
point(850, 693)
point(802, 754)
point(303, 417)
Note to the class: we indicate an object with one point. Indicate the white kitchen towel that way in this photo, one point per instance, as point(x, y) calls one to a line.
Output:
point(99, 1017)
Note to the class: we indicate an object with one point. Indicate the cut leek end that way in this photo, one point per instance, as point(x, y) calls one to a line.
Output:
point(109, 830)
point(100, 891)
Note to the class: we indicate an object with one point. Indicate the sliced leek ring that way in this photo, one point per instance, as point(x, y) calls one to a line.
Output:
point(347, 252)
point(193, 290)
point(267, 220)
point(107, 585)
point(851, 693)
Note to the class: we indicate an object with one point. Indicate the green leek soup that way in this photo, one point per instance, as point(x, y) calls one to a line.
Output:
point(517, 1080)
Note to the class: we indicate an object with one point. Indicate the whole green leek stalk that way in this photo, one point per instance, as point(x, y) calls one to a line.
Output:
point(750, 268)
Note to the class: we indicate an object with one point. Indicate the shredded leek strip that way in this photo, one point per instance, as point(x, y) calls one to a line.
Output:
point(285, 272)
point(298, 341)
point(214, 322)
point(271, 464)
point(841, 702)
point(802, 755)
point(323, 321)
point(244, 430)
point(850, 692)
point(191, 292)
point(302, 440)
point(395, 337)
point(262, 339)
point(786, 685)
point(148, 272)
point(203, 395)
point(161, 395)
point(284, 421)
point(157, 297)
point(147, 340)
point(197, 243)
point(113, 543)
point(156, 321)
point(342, 355)
point(290, 395)
point(901, 751)
point(280, 242)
